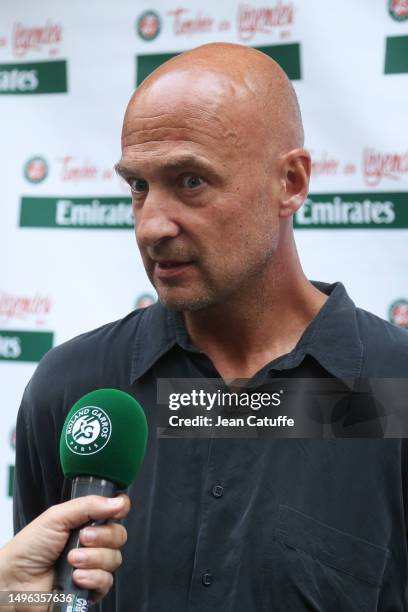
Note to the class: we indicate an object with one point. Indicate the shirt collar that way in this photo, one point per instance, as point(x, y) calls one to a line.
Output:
point(332, 338)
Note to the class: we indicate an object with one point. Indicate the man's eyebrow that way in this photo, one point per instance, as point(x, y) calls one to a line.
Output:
point(173, 163)
point(122, 169)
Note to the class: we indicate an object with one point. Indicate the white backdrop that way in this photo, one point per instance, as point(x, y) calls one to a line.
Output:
point(67, 70)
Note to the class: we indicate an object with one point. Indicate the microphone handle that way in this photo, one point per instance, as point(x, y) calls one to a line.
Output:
point(64, 585)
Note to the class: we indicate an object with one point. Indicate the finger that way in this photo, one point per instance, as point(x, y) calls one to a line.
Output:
point(125, 509)
point(95, 580)
point(95, 558)
point(76, 512)
point(112, 535)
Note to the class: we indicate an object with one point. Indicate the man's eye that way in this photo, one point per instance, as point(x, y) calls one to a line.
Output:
point(192, 181)
point(138, 185)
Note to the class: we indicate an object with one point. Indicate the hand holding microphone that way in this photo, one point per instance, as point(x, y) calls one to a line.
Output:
point(27, 561)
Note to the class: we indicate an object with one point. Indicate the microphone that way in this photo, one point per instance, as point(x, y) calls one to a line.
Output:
point(102, 447)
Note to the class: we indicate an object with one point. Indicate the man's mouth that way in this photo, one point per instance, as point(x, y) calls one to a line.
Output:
point(166, 265)
point(169, 268)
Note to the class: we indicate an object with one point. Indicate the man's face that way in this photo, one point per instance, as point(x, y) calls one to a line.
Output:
point(203, 199)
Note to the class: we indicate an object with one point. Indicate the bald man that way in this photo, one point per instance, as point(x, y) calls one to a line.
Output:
point(212, 150)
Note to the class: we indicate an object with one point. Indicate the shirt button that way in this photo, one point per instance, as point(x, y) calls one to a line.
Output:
point(218, 491)
point(207, 579)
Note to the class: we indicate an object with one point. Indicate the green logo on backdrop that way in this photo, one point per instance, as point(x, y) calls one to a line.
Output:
point(398, 9)
point(34, 78)
point(10, 480)
point(319, 211)
point(76, 213)
point(353, 211)
point(396, 55)
point(398, 313)
point(287, 56)
point(36, 169)
point(24, 345)
point(88, 431)
point(148, 25)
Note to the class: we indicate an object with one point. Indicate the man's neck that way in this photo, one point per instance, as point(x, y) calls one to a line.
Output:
point(243, 335)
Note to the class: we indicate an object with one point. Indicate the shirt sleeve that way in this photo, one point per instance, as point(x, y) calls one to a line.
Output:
point(38, 479)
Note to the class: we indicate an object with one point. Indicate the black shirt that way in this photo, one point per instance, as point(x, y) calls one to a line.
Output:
point(236, 525)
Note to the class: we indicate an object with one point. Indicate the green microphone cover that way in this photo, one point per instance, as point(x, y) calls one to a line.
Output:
point(104, 435)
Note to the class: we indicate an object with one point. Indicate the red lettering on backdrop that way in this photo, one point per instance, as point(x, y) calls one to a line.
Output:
point(187, 26)
point(75, 172)
point(377, 165)
point(21, 307)
point(252, 20)
point(35, 38)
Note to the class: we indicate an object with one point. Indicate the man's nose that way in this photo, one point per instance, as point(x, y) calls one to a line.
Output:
point(154, 221)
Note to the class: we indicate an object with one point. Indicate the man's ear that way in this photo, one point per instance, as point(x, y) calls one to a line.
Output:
point(295, 169)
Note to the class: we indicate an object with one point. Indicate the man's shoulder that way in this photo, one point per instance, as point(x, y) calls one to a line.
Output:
point(94, 341)
point(374, 328)
point(97, 358)
point(385, 346)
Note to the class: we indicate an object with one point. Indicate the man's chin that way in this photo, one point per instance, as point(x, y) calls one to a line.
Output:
point(184, 303)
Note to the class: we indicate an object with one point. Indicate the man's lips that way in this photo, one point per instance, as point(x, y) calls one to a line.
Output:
point(169, 268)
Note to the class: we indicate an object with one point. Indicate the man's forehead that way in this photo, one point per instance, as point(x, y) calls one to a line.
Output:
point(195, 100)
point(196, 85)
point(133, 163)
point(148, 128)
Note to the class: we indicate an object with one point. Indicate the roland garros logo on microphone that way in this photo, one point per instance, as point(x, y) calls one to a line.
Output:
point(88, 431)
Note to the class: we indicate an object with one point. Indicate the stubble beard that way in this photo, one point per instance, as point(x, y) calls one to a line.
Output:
point(233, 286)
point(191, 303)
